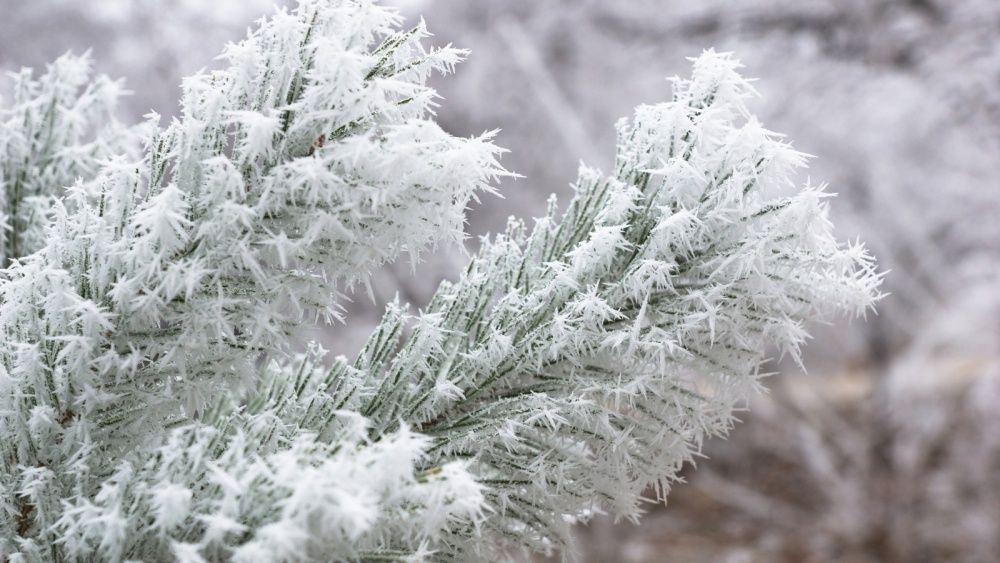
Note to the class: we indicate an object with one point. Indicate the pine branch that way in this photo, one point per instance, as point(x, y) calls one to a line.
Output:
point(154, 410)
point(164, 281)
point(58, 128)
point(589, 358)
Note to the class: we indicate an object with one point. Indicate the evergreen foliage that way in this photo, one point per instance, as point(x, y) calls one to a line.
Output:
point(150, 396)
point(59, 126)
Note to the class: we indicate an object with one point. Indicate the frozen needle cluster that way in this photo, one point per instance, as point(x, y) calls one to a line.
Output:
point(58, 127)
point(152, 406)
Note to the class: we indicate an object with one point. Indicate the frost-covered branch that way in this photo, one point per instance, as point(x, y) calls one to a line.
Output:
point(304, 164)
point(581, 361)
point(154, 409)
point(57, 129)
point(283, 475)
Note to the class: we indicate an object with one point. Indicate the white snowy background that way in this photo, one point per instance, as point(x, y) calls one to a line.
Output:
point(889, 448)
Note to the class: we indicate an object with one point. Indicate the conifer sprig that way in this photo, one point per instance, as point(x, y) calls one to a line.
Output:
point(166, 280)
point(57, 129)
point(154, 409)
point(580, 362)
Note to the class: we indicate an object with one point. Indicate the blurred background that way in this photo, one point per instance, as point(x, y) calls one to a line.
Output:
point(889, 448)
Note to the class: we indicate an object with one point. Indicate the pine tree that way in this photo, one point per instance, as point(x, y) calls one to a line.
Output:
point(153, 402)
